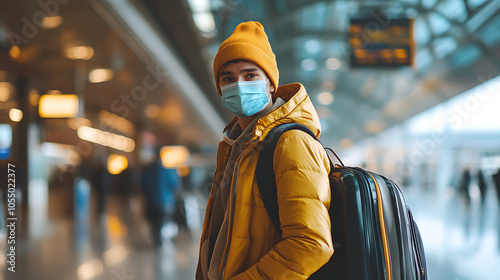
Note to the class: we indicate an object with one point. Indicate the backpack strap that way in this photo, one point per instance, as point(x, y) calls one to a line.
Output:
point(264, 173)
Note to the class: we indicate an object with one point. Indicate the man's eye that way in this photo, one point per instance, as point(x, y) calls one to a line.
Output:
point(251, 75)
point(227, 79)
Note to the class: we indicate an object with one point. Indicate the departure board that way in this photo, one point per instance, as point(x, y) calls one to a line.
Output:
point(386, 42)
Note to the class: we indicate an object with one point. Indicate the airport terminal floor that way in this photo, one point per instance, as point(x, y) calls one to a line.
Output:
point(461, 242)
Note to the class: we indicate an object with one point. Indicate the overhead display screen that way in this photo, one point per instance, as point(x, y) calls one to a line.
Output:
point(381, 42)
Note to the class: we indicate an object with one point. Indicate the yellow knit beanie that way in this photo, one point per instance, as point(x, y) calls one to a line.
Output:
point(249, 42)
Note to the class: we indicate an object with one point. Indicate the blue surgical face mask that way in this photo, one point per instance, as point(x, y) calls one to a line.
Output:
point(245, 98)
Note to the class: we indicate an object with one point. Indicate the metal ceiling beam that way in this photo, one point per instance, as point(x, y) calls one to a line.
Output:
point(161, 51)
point(468, 36)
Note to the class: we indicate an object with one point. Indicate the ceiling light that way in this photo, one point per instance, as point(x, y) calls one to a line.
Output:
point(312, 46)
point(79, 52)
point(202, 16)
point(104, 138)
point(15, 115)
point(5, 90)
point(199, 5)
point(14, 51)
point(51, 22)
point(100, 75)
point(309, 64)
point(333, 63)
point(116, 164)
point(58, 106)
point(325, 98)
point(204, 21)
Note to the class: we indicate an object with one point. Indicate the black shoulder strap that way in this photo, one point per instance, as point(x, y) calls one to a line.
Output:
point(264, 173)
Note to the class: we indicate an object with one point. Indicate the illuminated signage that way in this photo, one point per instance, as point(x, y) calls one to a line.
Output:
point(386, 42)
point(58, 106)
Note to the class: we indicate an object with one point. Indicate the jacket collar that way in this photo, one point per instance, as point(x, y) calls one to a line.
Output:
point(298, 108)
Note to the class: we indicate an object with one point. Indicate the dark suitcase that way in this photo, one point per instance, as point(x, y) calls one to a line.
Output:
point(373, 231)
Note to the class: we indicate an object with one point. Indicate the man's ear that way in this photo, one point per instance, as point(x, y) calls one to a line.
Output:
point(271, 88)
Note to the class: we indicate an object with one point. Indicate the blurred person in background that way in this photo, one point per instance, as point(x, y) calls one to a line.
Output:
point(239, 240)
point(102, 182)
point(496, 180)
point(159, 186)
point(481, 183)
point(463, 187)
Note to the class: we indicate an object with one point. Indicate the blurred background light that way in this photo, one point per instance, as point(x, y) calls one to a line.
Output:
point(325, 98)
point(204, 21)
point(14, 52)
point(5, 91)
point(100, 75)
point(34, 97)
point(90, 269)
point(15, 115)
point(309, 64)
point(51, 22)
point(203, 18)
point(79, 52)
point(333, 63)
point(116, 164)
point(58, 106)
point(312, 46)
point(174, 156)
point(104, 138)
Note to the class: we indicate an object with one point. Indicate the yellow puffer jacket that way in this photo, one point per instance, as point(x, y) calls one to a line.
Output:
point(254, 249)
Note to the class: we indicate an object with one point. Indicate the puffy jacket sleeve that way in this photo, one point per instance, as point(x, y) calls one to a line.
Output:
point(301, 167)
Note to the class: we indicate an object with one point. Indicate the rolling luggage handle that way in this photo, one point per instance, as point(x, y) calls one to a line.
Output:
point(329, 149)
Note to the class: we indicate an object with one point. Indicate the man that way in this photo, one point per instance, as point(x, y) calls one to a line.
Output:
point(239, 240)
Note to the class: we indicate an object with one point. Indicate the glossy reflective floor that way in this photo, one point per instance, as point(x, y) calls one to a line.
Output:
point(462, 242)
